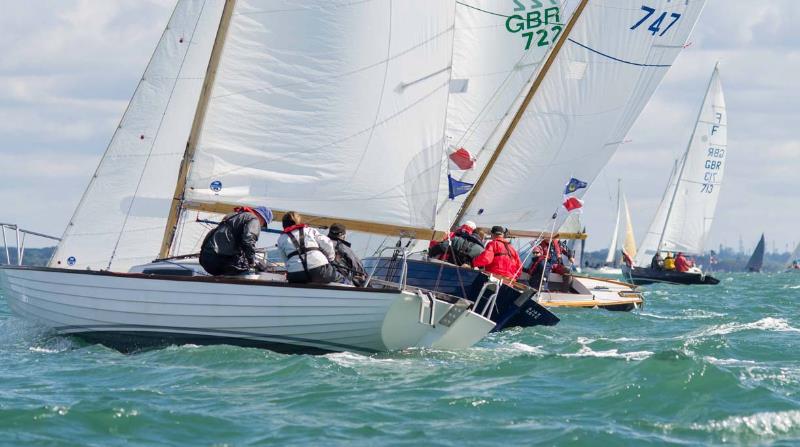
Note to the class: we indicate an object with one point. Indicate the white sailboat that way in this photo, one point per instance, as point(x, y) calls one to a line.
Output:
point(574, 116)
point(567, 120)
point(343, 124)
point(684, 217)
point(611, 266)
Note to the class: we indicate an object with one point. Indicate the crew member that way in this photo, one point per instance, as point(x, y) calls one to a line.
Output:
point(537, 268)
point(308, 255)
point(499, 257)
point(657, 263)
point(346, 263)
point(682, 264)
point(669, 262)
point(230, 248)
point(461, 247)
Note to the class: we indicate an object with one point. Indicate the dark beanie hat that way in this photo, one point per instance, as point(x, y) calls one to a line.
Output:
point(337, 230)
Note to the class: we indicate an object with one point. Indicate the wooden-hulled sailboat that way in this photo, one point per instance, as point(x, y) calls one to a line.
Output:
point(683, 220)
point(563, 115)
point(344, 123)
point(756, 261)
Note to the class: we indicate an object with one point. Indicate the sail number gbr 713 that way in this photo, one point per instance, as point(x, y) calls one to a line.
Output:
point(714, 159)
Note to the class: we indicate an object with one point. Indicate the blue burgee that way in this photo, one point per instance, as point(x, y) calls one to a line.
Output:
point(574, 185)
point(457, 188)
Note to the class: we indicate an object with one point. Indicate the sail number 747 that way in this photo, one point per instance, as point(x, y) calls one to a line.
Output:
point(659, 21)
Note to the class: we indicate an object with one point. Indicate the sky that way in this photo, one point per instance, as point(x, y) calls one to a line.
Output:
point(69, 67)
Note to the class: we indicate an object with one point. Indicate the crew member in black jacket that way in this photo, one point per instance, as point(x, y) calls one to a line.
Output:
point(347, 263)
point(230, 249)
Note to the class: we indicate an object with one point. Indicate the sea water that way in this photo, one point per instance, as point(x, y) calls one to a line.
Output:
point(699, 365)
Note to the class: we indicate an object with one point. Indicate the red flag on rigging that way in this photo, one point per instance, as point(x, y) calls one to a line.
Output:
point(461, 160)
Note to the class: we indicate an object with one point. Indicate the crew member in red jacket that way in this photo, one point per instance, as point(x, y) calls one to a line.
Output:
point(682, 264)
point(499, 257)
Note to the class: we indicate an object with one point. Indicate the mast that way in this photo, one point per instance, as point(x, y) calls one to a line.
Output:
point(197, 126)
point(685, 159)
point(521, 111)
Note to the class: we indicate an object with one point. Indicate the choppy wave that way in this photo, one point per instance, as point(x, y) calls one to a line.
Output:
point(632, 372)
point(764, 324)
point(767, 424)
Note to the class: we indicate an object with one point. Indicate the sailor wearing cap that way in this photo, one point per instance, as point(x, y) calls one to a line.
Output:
point(230, 249)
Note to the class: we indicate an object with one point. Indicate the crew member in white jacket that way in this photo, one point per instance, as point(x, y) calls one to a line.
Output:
point(307, 253)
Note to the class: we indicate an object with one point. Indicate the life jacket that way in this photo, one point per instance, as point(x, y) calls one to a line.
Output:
point(301, 249)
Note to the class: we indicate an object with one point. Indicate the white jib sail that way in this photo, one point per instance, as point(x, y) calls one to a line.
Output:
point(120, 219)
point(496, 53)
point(689, 208)
point(629, 245)
point(612, 247)
point(604, 75)
point(330, 108)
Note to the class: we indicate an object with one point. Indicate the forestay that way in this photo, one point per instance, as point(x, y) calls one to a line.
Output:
point(599, 82)
point(120, 219)
point(329, 108)
point(684, 217)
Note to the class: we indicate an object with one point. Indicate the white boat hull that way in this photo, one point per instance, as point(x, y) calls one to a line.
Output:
point(594, 293)
point(141, 310)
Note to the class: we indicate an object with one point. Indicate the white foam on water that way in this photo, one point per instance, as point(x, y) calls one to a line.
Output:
point(662, 317)
point(43, 350)
point(528, 349)
point(352, 359)
point(728, 362)
point(586, 351)
point(792, 287)
point(701, 314)
point(759, 424)
point(764, 324)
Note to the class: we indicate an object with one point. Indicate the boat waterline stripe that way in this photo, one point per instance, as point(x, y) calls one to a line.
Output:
point(75, 330)
point(617, 59)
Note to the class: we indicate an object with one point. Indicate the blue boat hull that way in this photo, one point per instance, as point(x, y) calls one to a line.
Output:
point(464, 283)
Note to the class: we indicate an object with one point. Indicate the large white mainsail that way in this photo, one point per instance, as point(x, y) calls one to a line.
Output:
point(598, 84)
point(334, 109)
point(121, 216)
point(684, 217)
